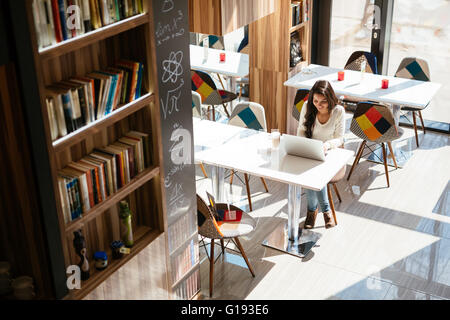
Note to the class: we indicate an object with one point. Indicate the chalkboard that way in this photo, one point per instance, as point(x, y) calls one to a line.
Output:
point(171, 23)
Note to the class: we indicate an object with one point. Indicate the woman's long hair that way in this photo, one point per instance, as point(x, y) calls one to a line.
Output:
point(324, 88)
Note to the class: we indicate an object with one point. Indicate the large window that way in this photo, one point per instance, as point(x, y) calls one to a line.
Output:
point(422, 29)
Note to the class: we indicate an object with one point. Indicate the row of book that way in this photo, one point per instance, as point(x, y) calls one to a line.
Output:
point(60, 20)
point(181, 230)
point(300, 12)
point(91, 180)
point(184, 261)
point(74, 103)
point(189, 287)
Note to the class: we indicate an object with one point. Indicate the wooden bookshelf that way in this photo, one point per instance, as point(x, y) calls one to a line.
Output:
point(270, 39)
point(95, 127)
point(127, 39)
point(94, 36)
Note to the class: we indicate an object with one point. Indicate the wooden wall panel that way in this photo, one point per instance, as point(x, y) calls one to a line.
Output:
point(223, 16)
point(238, 13)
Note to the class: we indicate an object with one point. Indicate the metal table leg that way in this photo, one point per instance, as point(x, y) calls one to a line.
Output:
point(218, 179)
point(290, 238)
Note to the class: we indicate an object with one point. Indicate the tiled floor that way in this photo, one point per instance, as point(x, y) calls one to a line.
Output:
point(390, 243)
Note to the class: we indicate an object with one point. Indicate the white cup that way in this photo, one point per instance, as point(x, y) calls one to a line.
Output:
point(275, 139)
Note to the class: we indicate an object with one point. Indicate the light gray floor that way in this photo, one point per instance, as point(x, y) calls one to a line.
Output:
point(390, 243)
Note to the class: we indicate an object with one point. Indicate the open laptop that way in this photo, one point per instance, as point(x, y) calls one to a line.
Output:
point(303, 147)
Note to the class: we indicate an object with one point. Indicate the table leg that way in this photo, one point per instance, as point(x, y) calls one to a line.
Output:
point(217, 179)
point(289, 237)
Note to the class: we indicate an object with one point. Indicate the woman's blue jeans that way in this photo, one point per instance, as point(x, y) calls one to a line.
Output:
point(318, 197)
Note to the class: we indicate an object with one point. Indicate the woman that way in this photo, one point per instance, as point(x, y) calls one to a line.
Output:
point(321, 119)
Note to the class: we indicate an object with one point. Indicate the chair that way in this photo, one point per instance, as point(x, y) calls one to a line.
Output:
point(356, 59)
point(214, 42)
point(210, 228)
point(243, 48)
point(301, 97)
point(417, 69)
point(375, 123)
point(354, 63)
point(210, 95)
point(249, 115)
point(197, 113)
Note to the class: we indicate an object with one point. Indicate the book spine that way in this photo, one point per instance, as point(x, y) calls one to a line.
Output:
point(86, 16)
point(62, 16)
point(67, 112)
point(57, 21)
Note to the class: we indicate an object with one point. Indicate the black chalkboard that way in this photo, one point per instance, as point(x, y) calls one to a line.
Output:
point(175, 98)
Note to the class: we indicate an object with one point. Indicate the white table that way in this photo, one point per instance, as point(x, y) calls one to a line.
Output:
point(245, 150)
point(401, 91)
point(236, 64)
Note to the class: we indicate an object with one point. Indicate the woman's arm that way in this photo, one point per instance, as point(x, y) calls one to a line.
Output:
point(301, 130)
point(339, 130)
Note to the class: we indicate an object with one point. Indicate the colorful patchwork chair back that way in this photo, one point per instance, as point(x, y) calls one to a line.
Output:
point(249, 115)
point(356, 59)
point(215, 42)
point(301, 98)
point(207, 224)
point(243, 46)
point(203, 84)
point(196, 104)
point(374, 122)
point(413, 68)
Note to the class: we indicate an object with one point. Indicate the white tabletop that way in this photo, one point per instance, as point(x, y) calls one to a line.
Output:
point(236, 64)
point(249, 151)
point(401, 91)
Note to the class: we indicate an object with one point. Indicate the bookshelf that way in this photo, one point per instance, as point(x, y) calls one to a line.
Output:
point(133, 39)
point(270, 60)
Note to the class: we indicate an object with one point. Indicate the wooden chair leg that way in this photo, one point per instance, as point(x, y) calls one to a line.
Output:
point(421, 120)
point(415, 128)
point(248, 192)
point(385, 163)
point(391, 150)
point(223, 246)
point(232, 176)
point(211, 269)
point(330, 199)
point(203, 169)
point(337, 192)
point(358, 155)
point(241, 249)
point(265, 184)
point(214, 113)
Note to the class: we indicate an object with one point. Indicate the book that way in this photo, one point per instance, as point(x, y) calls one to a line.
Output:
point(53, 124)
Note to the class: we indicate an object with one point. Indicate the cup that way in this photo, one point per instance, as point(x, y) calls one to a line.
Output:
point(23, 288)
point(341, 75)
point(384, 83)
point(222, 57)
point(275, 135)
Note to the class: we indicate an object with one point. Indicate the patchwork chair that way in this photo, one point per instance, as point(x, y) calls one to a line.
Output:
point(243, 48)
point(301, 97)
point(203, 84)
point(249, 115)
point(214, 42)
point(417, 69)
point(209, 227)
point(356, 59)
point(374, 123)
point(354, 63)
point(197, 113)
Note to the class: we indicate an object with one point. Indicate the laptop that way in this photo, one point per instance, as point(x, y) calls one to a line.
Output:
point(303, 147)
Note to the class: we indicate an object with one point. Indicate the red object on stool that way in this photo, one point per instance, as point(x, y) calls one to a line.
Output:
point(222, 57)
point(384, 83)
point(341, 75)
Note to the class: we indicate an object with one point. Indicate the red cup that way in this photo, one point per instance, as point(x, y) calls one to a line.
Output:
point(341, 75)
point(222, 57)
point(384, 83)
